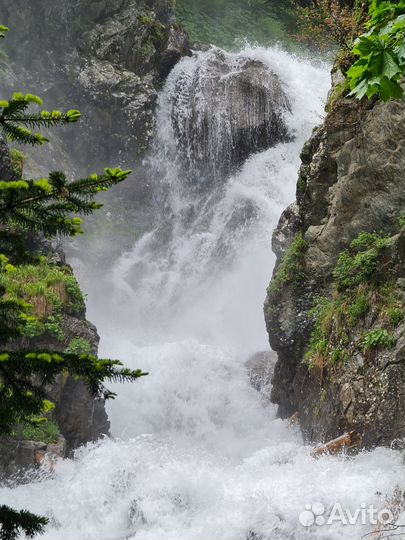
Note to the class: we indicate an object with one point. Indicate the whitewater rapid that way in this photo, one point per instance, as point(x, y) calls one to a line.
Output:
point(197, 455)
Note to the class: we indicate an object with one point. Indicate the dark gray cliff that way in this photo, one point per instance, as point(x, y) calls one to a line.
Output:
point(342, 364)
point(107, 59)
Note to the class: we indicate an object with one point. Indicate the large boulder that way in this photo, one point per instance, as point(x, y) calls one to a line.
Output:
point(224, 109)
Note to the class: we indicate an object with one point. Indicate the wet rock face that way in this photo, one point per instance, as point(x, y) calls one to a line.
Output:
point(235, 107)
point(260, 369)
point(351, 181)
point(109, 59)
point(19, 456)
point(80, 417)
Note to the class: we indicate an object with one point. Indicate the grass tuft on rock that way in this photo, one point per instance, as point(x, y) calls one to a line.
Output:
point(364, 294)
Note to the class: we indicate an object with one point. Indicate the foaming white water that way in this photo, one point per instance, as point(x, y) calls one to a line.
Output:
point(210, 253)
point(197, 455)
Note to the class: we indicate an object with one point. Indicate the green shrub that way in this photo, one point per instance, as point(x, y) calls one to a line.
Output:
point(379, 338)
point(53, 325)
point(359, 308)
point(339, 355)
point(363, 284)
point(360, 263)
point(32, 327)
point(396, 315)
point(78, 346)
point(322, 314)
point(301, 186)
point(147, 19)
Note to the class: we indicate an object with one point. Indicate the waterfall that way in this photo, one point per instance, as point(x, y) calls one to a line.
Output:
point(197, 454)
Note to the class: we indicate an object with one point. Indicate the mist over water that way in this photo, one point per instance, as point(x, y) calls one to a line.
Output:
point(197, 455)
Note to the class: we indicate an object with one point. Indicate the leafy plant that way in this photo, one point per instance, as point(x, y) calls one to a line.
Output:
point(53, 325)
point(378, 338)
point(395, 315)
point(381, 51)
point(359, 308)
point(320, 347)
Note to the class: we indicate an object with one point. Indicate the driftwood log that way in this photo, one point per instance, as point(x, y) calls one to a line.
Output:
point(349, 440)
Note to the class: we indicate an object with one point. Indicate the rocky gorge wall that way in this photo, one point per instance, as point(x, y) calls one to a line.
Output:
point(335, 307)
point(108, 59)
point(78, 416)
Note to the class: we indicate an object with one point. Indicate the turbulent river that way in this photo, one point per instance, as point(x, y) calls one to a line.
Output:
point(196, 453)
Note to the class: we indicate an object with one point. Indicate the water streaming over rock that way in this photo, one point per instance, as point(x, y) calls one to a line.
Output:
point(198, 456)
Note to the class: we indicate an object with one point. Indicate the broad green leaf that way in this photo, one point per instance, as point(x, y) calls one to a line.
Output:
point(390, 67)
point(393, 26)
point(360, 90)
point(357, 69)
point(399, 51)
point(390, 89)
point(372, 90)
point(364, 46)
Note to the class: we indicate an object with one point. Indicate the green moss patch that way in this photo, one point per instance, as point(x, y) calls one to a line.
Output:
point(46, 431)
point(292, 267)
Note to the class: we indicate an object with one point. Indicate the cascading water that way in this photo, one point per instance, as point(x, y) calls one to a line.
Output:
point(197, 455)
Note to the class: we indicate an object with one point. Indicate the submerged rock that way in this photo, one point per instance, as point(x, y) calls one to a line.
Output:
point(260, 368)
